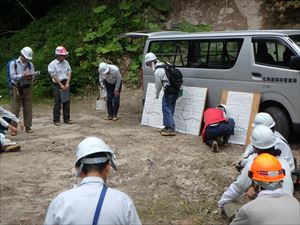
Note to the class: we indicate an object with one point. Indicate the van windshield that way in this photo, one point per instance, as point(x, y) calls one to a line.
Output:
point(296, 39)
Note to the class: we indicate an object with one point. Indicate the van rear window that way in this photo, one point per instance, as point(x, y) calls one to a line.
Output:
point(215, 54)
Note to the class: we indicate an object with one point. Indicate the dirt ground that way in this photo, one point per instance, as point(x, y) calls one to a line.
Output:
point(172, 180)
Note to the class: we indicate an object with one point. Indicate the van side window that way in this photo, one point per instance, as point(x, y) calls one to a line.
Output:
point(175, 52)
point(215, 54)
point(272, 52)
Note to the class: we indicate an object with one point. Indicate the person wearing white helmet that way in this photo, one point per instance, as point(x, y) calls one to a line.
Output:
point(263, 140)
point(21, 75)
point(272, 205)
point(6, 117)
point(61, 73)
point(110, 78)
point(92, 202)
point(169, 98)
point(263, 118)
point(217, 127)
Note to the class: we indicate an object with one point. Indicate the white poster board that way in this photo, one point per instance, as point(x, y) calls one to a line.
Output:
point(242, 107)
point(188, 112)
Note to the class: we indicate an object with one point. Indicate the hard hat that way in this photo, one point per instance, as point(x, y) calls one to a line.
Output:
point(262, 137)
point(263, 118)
point(266, 168)
point(150, 57)
point(91, 145)
point(222, 107)
point(27, 52)
point(60, 50)
point(103, 68)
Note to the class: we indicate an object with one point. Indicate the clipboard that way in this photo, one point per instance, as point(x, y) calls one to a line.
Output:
point(64, 95)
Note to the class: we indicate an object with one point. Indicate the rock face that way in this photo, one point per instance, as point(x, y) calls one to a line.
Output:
point(220, 14)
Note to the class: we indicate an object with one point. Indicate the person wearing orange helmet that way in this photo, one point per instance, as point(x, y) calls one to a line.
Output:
point(272, 205)
point(263, 141)
point(60, 72)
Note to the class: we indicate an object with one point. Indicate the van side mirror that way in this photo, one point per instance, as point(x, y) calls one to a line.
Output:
point(295, 63)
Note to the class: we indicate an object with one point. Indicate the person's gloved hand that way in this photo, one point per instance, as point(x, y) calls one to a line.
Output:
point(237, 165)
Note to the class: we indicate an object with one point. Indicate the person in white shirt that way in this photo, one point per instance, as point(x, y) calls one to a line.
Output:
point(21, 74)
point(6, 118)
point(92, 202)
point(272, 205)
point(170, 94)
point(265, 119)
point(263, 140)
point(60, 72)
point(110, 78)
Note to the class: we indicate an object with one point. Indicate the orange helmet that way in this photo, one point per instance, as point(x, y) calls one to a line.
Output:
point(266, 168)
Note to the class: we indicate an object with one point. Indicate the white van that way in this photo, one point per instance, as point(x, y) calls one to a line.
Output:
point(264, 61)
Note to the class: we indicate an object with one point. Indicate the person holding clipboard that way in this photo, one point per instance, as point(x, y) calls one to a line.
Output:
point(60, 72)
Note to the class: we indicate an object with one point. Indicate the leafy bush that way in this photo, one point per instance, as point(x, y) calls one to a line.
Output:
point(91, 36)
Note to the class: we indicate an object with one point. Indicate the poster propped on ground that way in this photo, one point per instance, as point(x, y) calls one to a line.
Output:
point(242, 107)
point(188, 112)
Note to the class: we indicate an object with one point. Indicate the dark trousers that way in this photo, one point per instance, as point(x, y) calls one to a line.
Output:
point(221, 130)
point(112, 101)
point(168, 109)
point(57, 104)
point(2, 128)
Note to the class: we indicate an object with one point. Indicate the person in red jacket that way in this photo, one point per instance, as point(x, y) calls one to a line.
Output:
point(217, 127)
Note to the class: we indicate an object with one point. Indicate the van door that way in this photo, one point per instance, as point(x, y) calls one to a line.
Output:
point(277, 83)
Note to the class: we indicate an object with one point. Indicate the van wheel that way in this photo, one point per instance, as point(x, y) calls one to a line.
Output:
point(281, 120)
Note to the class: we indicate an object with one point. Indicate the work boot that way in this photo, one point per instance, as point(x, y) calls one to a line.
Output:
point(115, 118)
point(214, 146)
point(12, 148)
point(28, 130)
point(108, 118)
point(169, 132)
point(56, 123)
point(68, 122)
point(163, 129)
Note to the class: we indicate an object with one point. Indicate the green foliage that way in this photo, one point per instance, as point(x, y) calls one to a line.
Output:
point(189, 27)
point(91, 36)
point(282, 11)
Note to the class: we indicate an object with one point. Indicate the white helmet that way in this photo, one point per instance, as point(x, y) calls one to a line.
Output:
point(61, 50)
point(91, 145)
point(222, 107)
point(150, 57)
point(263, 118)
point(27, 52)
point(262, 137)
point(103, 68)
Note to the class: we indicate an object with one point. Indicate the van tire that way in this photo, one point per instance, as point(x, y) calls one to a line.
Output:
point(281, 120)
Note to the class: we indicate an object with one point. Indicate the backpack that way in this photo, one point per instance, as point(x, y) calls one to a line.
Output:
point(174, 76)
point(9, 83)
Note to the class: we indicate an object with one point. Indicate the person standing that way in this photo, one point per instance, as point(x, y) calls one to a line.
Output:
point(169, 98)
point(92, 202)
point(272, 205)
point(111, 78)
point(60, 72)
point(21, 74)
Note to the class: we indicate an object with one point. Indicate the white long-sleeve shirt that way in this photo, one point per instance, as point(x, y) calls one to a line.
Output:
point(243, 183)
point(270, 207)
point(112, 77)
point(78, 205)
point(161, 79)
point(5, 113)
point(281, 144)
point(17, 70)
